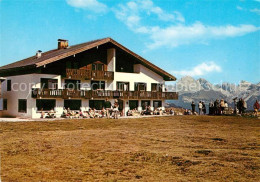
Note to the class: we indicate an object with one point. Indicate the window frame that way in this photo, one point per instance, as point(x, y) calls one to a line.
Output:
point(138, 84)
point(77, 82)
point(71, 100)
point(158, 87)
point(101, 85)
point(22, 110)
point(39, 109)
point(9, 85)
point(122, 84)
point(49, 80)
point(159, 101)
point(5, 105)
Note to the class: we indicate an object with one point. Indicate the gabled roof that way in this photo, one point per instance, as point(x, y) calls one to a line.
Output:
point(57, 54)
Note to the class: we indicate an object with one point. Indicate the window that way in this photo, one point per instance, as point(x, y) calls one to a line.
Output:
point(49, 83)
point(100, 67)
point(156, 87)
point(45, 104)
point(145, 103)
point(97, 67)
point(96, 104)
point(5, 104)
point(22, 105)
point(140, 86)
point(157, 103)
point(122, 86)
point(9, 85)
point(98, 85)
point(72, 64)
point(72, 104)
point(72, 84)
point(133, 104)
point(94, 66)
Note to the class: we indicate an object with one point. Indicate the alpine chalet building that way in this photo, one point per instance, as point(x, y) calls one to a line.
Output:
point(80, 77)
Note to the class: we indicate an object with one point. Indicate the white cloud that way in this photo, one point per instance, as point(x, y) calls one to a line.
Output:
point(255, 10)
point(176, 33)
point(200, 70)
point(92, 5)
point(143, 8)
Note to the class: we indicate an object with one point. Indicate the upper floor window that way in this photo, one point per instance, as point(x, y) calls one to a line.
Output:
point(156, 87)
point(98, 85)
point(49, 83)
point(140, 86)
point(122, 86)
point(9, 85)
point(72, 84)
point(72, 64)
point(22, 105)
point(97, 67)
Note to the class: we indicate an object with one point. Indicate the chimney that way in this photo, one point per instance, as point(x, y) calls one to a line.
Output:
point(38, 54)
point(63, 44)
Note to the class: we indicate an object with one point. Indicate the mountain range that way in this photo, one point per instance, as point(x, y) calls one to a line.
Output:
point(190, 89)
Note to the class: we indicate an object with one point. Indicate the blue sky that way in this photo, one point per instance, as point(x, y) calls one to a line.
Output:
point(218, 40)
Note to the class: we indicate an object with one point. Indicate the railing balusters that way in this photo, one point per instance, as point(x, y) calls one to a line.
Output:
point(89, 94)
point(89, 74)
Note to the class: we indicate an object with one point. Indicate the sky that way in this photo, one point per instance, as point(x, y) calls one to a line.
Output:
point(218, 40)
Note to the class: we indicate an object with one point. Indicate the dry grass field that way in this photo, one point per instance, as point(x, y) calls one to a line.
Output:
point(177, 148)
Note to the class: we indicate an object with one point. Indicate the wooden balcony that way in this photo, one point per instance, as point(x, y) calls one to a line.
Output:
point(89, 74)
point(102, 94)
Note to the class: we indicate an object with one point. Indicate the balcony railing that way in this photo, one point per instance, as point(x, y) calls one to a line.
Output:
point(102, 94)
point(89, 74)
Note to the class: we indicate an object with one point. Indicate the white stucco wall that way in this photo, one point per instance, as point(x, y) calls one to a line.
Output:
point(21, 89)
point(144, 75)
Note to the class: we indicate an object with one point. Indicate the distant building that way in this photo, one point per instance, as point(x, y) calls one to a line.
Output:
point(82, 77)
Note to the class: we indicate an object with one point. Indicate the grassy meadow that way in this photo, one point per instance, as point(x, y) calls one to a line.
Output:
point(176, 148)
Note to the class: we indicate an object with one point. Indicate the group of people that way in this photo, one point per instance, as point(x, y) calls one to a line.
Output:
point(201, 106)
point(219, 107)
point(147, 111)
point(108, 111)
point(241, 106)
point(215, 108)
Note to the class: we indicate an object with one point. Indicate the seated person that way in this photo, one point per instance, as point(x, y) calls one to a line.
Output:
point(76, 115)
point(85, 114)
point(129, 113)
point(51, 114)
point(91, 113)
point(80, 113)
point(171, 112)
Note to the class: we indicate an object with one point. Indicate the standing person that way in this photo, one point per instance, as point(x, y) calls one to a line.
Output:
point(216, 107)
point(256, 108)
point(107, 106)
point(115, 108)
point(211, 106)
point(193, 107)
point(222, 105)
point(244, 106)
point(204, 110)
point(200, 108)
point(239, 105)
point(235, 105)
